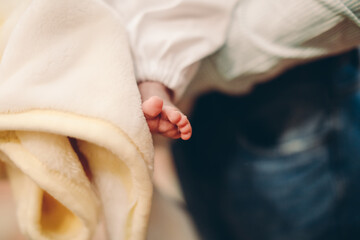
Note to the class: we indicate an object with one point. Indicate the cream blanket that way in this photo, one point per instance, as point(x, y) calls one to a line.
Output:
point(76, 145)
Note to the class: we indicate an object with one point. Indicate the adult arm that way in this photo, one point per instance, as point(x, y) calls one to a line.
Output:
point(268, 37)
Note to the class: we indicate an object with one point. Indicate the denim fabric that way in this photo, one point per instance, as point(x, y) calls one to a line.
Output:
point(280, 163)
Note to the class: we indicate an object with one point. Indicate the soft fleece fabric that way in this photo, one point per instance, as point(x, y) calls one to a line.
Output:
point(65, 71)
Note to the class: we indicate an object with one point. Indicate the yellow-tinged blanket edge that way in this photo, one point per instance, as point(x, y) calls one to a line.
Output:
point(103, 134)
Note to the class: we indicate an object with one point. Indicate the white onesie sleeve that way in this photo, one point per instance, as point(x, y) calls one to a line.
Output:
point(168, 38)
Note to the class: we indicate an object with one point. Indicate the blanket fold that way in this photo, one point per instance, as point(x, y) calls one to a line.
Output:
point(72, 134)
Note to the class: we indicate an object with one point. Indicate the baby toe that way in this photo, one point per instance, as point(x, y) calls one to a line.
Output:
point(186, 129)
point(186, 136)
point(174, 133)
point(152, 107)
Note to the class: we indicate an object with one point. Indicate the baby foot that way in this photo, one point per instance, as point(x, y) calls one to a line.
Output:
point(166, 119)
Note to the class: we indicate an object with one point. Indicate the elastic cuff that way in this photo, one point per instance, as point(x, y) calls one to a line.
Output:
point(173, 78)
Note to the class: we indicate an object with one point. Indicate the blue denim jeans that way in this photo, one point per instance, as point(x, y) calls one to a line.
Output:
point(280, 163)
